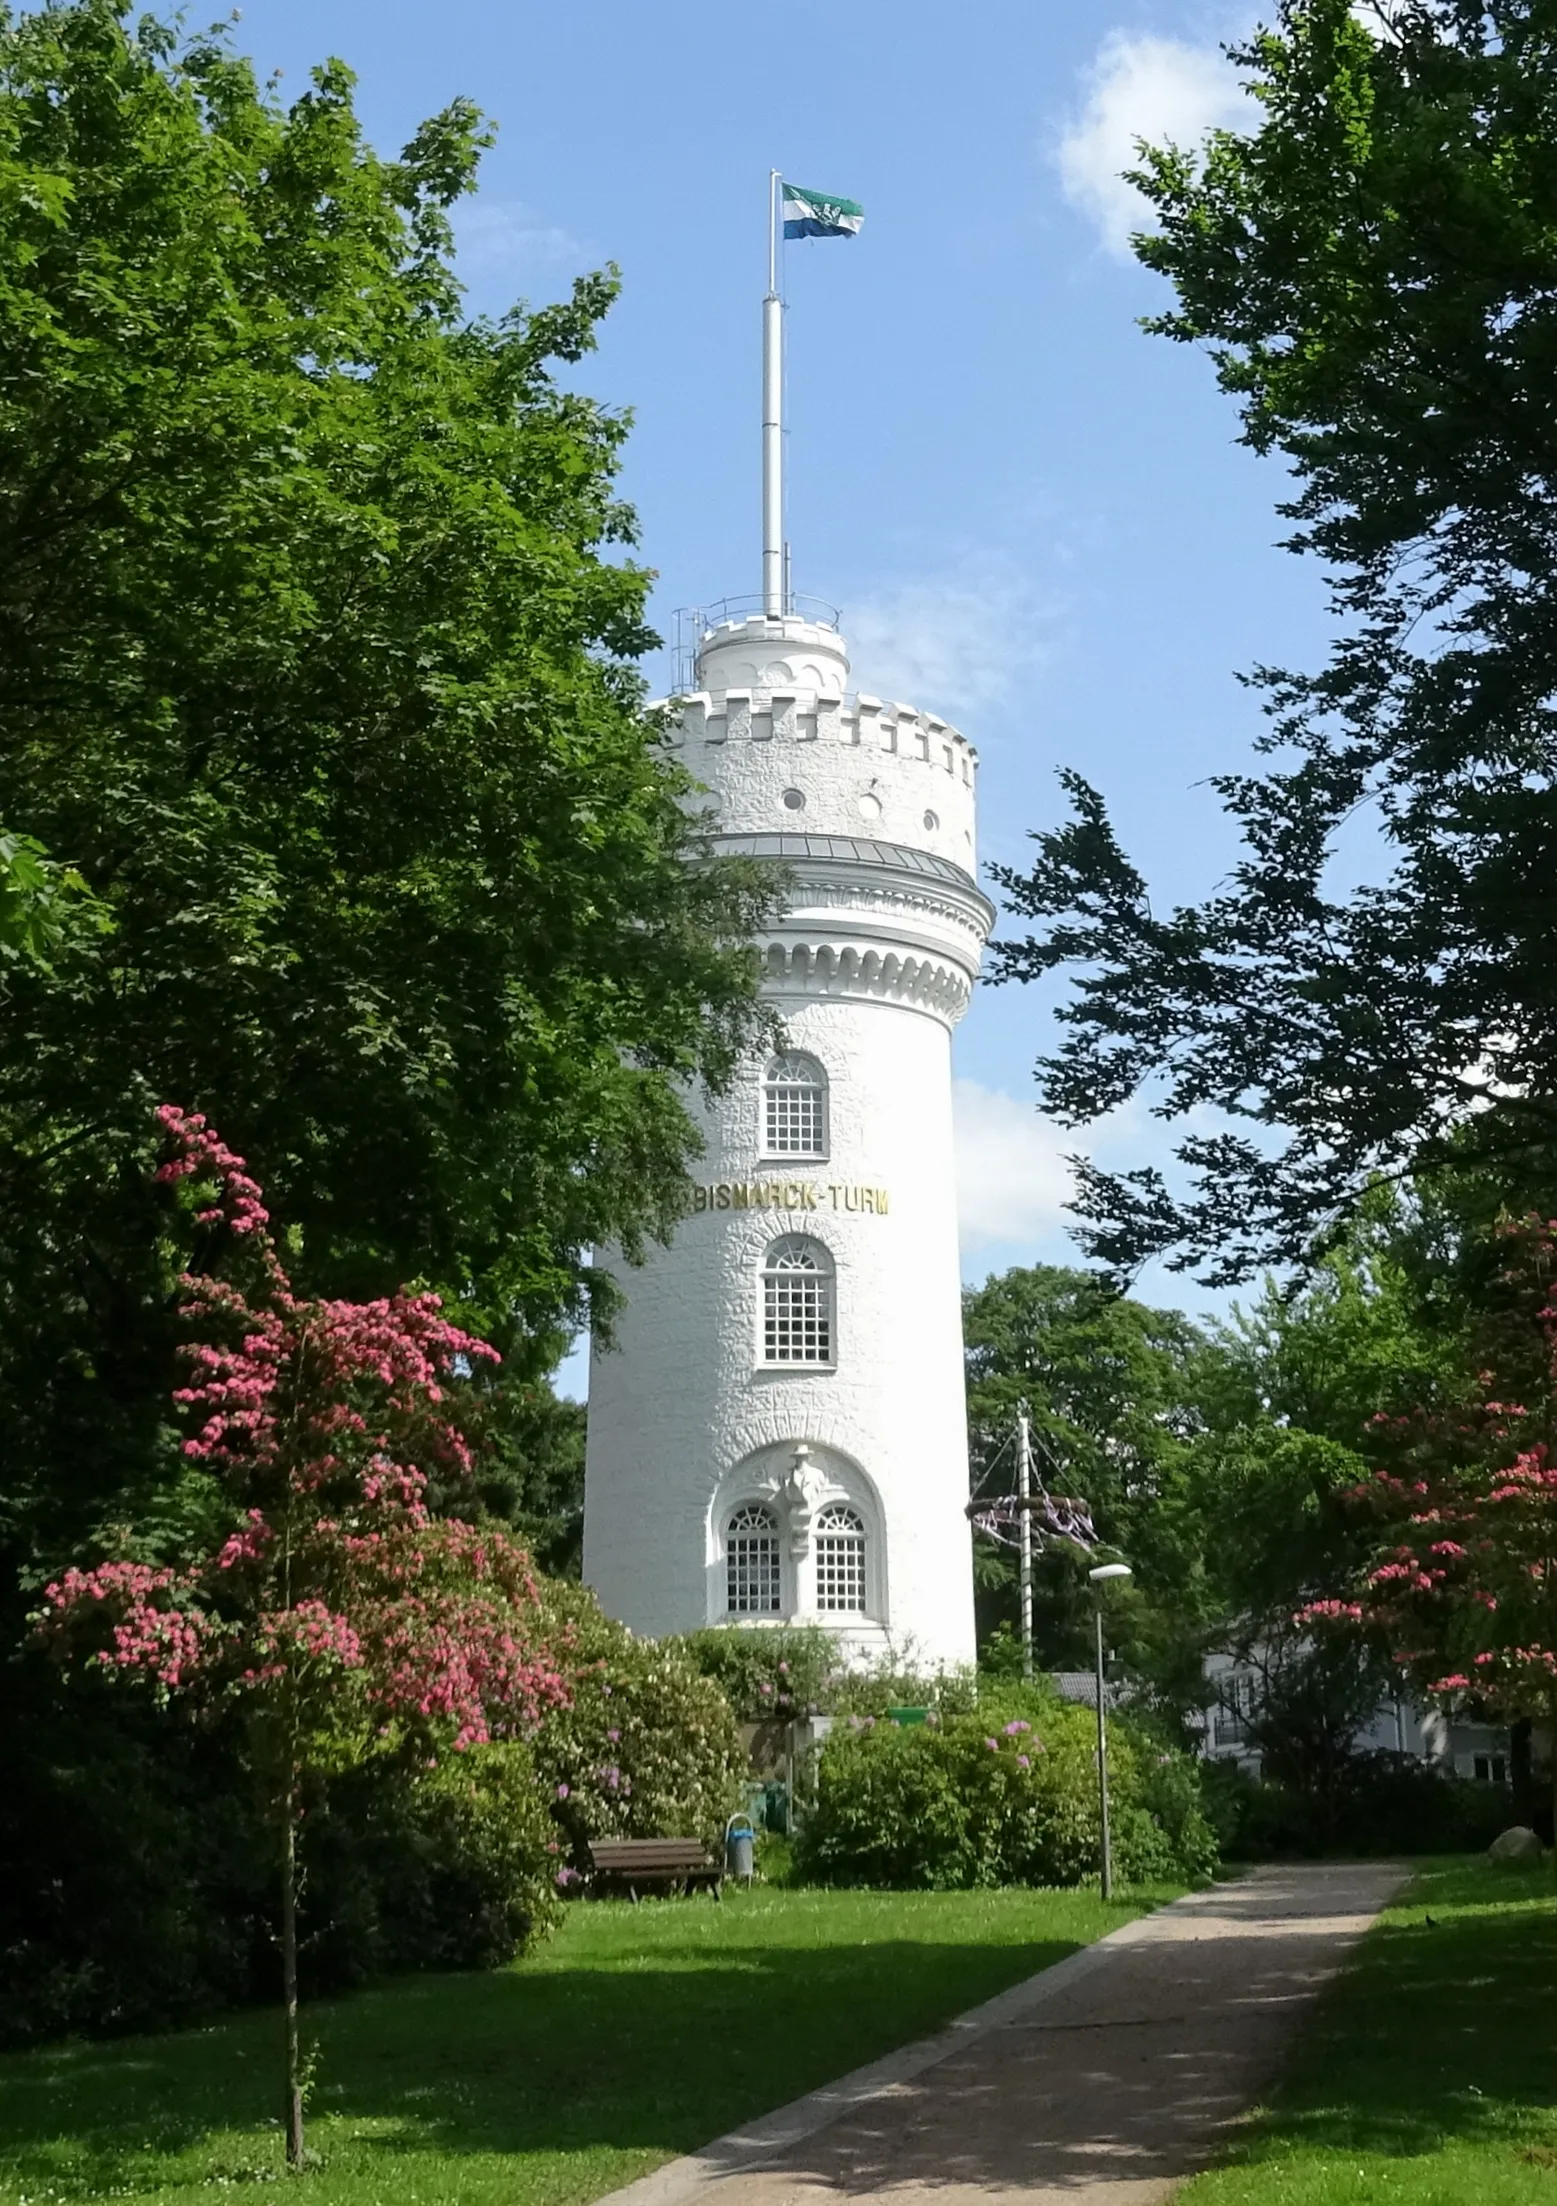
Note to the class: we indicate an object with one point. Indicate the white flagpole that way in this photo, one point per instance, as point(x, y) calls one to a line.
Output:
point(773, 419)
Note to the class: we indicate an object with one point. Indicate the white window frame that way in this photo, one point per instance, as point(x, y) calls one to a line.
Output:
point(797, 1256)
point(805, 1079)
point(842, 1560)
point(755, 1526)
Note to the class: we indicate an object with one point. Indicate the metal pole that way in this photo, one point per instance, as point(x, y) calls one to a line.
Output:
point(1024, 1477)
point(1102, 1762)
point(773, 419)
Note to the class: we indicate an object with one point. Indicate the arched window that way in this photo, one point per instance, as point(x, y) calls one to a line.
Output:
point(797, 1302)
point(751, 1562)
point(840, 1558)
point(794, 1108)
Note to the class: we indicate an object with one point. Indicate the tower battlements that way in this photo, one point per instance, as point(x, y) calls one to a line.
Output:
point(810, 716)
point(779, 741)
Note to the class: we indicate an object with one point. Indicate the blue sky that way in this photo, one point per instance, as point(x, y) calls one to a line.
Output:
point(1035, 517)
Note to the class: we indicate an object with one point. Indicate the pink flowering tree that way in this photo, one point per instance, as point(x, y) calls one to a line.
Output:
point(329, 1611)
point(1462, 1583)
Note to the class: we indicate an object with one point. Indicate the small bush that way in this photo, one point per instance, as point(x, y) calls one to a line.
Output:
point(1006, 1794)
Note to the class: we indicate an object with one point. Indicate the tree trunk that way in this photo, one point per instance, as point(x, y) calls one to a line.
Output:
point(294, 2091)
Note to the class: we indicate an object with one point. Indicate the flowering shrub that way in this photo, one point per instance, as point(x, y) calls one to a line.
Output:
point(1006, 1794)
point(1462, 1585)
point(768, 1676)
point(647, 1746)
point(773, 1676)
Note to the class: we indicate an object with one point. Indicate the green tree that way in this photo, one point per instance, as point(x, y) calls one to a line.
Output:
point(1374, 269)
point(1111, 1388)
point(316, 656)
point(1217, 1460)
point(43, 905)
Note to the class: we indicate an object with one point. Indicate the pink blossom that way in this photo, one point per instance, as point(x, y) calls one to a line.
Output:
point(329, 1417)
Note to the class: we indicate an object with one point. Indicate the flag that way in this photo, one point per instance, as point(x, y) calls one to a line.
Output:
point(815, 214)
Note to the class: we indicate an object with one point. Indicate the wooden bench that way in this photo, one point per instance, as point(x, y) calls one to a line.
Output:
point(664, 1863)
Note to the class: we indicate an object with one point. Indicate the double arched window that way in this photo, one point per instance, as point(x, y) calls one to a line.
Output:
point(840, 1558)
point(794, 1108)
point(751, 1562)
point(798, 1324)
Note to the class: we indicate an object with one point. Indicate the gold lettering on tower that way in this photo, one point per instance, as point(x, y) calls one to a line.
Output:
point(788, 1195)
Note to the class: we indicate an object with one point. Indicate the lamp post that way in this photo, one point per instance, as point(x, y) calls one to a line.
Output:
point(1100, 1577)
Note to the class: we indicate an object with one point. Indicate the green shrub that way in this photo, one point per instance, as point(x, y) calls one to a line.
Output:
point(1387, 1804)
point(454, 1867)
point(1006, 1794)
point(772, 1676)
point(136, 1877)
point(877, 1692)
point(649, 1747)
point(767, 1676)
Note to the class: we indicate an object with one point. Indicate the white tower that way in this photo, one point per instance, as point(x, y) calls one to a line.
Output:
point(779, 1433)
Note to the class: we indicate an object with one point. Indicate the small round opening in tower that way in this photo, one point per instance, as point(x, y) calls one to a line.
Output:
point(932, 819)
point(794, 800)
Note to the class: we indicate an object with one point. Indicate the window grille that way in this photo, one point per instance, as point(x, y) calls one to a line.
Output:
point(840, 1559)
point(1239, 1697)
point(751, 1562)
point(794, 1104)
point(797, 1303)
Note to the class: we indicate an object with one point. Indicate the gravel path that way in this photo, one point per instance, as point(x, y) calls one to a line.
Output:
point(1102, 2082)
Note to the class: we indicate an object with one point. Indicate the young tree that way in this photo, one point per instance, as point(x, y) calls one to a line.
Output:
point(1462, 1580)
point(326, 1609)
point(1374, 269)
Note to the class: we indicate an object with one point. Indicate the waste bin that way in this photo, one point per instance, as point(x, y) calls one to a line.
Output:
point(740, 1848)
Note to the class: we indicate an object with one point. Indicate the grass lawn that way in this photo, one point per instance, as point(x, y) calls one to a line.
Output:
point(635, 2034)
point(1428, 2076)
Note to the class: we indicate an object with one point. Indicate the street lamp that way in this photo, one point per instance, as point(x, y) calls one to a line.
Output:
point(1104, 1573)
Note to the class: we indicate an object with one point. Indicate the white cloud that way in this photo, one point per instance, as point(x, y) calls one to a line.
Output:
point(956, 643)
point(503, 238)
point(1159, 89)
point(1012, 1178)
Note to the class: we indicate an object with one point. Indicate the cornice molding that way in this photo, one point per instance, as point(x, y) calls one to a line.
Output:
point(814, 968)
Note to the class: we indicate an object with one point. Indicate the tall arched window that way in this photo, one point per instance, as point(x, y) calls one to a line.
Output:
point(794, 1108)
point(751, 1561)
point(797, 1302)
point(840, 1558)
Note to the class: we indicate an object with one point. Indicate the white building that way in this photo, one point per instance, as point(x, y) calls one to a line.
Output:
point(779, 1433)
point(1399, 1725)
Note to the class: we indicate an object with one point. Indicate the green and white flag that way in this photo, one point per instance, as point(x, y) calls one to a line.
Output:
point(817, 214)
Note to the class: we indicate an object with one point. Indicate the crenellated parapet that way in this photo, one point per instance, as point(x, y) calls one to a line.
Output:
point(859, 723)
point(775, 738)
